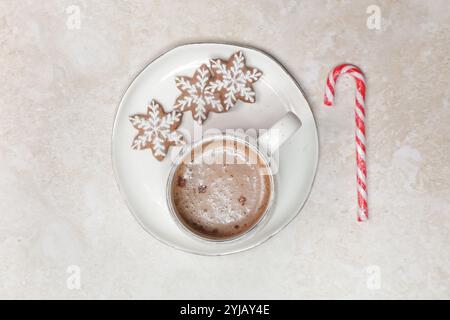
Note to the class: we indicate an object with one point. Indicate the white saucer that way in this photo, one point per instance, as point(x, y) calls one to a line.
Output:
point(142, 179)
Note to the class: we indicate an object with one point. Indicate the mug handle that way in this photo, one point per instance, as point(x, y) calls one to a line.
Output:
point(279, 133)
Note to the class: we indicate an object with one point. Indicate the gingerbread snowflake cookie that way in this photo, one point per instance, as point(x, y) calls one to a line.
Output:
point(233, 80)
point(156, 130)
point(196, 95)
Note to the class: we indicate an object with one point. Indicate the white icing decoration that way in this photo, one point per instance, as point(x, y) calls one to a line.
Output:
point(234, 82)
point(197, 95)
point(155, 129)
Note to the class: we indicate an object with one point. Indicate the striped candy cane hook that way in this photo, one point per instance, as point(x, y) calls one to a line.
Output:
point(360, 134)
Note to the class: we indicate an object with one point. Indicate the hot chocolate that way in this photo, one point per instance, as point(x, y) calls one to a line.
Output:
point(221, 189)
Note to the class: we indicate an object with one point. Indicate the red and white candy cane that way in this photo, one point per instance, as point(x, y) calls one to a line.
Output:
point(360, 135)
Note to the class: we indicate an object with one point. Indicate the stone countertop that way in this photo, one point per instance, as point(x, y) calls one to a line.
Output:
point(64, 67)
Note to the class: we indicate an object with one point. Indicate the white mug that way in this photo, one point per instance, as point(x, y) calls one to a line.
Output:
point(266, 147)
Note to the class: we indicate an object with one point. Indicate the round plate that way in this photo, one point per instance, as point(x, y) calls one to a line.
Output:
point(142, 179)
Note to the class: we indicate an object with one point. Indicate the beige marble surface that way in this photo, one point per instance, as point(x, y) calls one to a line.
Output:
point(59, 204)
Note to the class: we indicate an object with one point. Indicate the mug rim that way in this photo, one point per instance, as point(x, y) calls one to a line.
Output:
point(175, 164)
